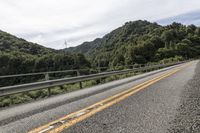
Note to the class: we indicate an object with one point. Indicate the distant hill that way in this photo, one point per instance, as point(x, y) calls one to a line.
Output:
point(10, 43)
point(20, 56)
point(135, 42)
point(86, 47)
point(142, 42)
point(115, 38)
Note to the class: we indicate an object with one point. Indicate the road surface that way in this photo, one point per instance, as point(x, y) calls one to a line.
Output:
point(162, 101)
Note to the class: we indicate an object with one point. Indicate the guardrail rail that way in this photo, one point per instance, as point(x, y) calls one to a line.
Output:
point(9, 90)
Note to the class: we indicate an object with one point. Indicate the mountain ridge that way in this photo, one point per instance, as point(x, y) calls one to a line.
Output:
point(20, 56)
point(135, 38)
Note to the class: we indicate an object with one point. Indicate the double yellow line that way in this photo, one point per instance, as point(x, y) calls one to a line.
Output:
point(73, 118)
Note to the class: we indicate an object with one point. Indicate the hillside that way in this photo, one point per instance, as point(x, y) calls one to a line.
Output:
point(19, 56)
point(135, 42)
point(85, 48)
point(10, 43)
point(142, 42)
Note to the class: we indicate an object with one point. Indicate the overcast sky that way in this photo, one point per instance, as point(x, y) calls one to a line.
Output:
point(51, 22)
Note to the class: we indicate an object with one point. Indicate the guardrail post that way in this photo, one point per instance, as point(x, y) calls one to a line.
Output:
point(47, 78)
point(100, 80)
point(80, 83)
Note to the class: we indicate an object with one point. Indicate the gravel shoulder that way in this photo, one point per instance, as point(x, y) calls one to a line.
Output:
point(187, 119)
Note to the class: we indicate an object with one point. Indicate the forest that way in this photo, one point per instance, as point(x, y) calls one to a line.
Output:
point(137, 42)
point(19, 56)
point(141, 42)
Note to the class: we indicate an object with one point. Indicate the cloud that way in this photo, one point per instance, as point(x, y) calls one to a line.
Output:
point(51, 22)
point(186, 18)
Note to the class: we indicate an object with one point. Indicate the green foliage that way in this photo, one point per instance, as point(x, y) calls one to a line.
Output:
point(140, 42)
point(172, 59)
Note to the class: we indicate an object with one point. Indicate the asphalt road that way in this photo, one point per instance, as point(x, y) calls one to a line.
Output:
point(170, 105)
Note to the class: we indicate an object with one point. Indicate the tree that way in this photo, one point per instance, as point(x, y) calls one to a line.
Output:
point(168, 37)
point(191, 29)
point(183, 50)
point(118, 60)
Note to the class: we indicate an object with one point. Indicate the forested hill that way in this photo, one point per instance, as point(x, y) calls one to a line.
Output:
point(86, 47)
point(19, 56)
point(142, 42)
point(134, 43)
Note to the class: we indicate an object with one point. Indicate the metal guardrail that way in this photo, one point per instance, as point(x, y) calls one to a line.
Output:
point(54, 72)
point(8, 90)
point(39, 73)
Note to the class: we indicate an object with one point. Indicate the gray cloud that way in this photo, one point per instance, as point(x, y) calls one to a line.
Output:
point(51, 22)
point(186, 18)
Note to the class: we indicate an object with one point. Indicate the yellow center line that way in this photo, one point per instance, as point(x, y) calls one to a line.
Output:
point(73, 118)
point(72, 114)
